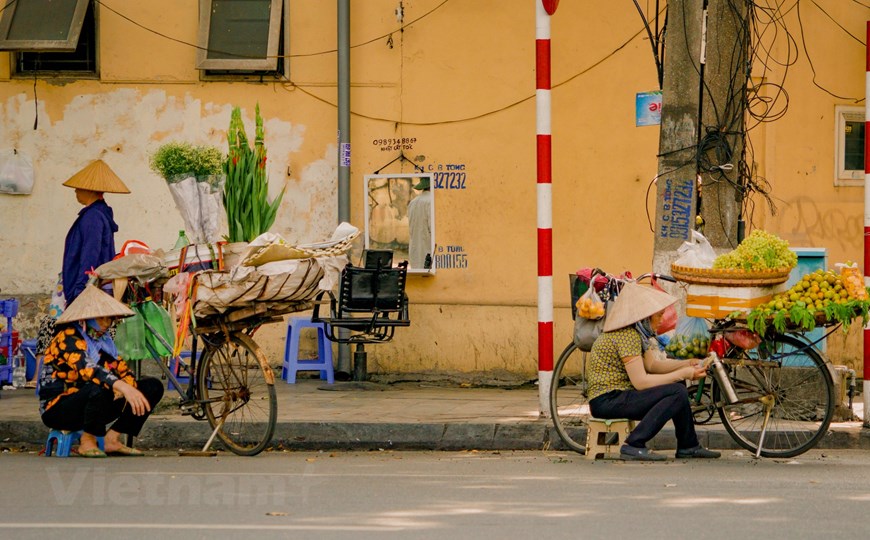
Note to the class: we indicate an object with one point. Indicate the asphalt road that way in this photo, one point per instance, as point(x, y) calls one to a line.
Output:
point(453, 495)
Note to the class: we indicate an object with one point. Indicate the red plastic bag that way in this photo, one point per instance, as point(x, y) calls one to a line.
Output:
point(743, 338)
point(669, 317)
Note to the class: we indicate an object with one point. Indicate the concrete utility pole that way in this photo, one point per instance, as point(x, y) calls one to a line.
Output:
point(723, 110)
point(704, 81)
point(675, 188)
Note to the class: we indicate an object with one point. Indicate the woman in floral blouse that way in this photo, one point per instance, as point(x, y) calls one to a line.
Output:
point(86, 386)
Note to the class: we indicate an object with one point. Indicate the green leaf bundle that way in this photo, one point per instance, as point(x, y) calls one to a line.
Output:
point(246, 191)
point(181, 158)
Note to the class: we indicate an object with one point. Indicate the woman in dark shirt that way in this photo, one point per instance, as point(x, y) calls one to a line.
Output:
point(90, 241)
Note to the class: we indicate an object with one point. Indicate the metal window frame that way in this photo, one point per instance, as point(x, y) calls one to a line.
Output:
point(202, 60)
point(42, 45)
point(843, 177)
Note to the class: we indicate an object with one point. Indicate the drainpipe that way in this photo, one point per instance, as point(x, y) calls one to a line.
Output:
point(867, 232)
point(343, 368)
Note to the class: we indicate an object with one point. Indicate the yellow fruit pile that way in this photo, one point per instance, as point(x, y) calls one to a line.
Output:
point(588, 308)
point(813, 291)
point(822, 297)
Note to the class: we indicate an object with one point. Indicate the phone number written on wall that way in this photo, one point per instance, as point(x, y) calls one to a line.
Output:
point(448, 176)
point(444, 175)
point(451, 257)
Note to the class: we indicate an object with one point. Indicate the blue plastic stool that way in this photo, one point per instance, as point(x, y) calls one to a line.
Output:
point(63, 441)
point(292, 363)
point(175, 369)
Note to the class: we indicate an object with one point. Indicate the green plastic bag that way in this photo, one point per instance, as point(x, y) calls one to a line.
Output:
point(130, 338)
point(159, 320)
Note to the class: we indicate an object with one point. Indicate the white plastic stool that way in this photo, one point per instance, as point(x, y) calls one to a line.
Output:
point(292, 362)
point(602, 434)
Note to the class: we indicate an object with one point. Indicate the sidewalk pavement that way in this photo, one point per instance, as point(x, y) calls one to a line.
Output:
point(313, 415)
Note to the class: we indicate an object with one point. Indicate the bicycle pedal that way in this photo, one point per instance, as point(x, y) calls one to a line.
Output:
point(189, 408)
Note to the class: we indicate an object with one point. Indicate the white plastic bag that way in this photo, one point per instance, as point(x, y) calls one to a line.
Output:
point(696, 253)
point(16, 173)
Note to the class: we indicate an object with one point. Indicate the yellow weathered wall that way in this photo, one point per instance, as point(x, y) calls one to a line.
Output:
point(460, 82)
point(799, 149)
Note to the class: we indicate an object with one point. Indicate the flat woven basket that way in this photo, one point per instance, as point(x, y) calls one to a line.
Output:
point(733, 278)
point(332, 250)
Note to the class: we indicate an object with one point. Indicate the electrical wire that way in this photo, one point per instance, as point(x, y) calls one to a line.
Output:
point(843, 28)
point(300, 55)
point(810, 60)
point(290, 85)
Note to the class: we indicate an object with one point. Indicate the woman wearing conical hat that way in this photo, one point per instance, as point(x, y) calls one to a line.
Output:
point(629, 378)
point(86, 386)
point(90, 241)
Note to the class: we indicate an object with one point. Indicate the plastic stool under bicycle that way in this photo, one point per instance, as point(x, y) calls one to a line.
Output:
point(62, 441)
point(602, 434)
point(292, 363)
point(176, 369)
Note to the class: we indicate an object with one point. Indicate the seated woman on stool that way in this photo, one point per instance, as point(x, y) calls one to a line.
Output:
point(630, 378)
point(84, 384)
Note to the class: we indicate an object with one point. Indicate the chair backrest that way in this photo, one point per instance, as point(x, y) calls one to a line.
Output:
point(373, 289)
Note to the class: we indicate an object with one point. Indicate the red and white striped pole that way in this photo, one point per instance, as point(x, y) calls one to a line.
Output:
point(867, 229)
point(543, 10)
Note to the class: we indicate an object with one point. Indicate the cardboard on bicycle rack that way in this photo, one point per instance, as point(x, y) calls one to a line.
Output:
point(715, 302)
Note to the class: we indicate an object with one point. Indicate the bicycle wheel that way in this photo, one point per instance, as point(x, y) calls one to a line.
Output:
point(794, 379)
point(569, 405)
point(237, 387)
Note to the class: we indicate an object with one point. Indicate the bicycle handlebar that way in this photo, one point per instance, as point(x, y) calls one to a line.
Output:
point(653, 275)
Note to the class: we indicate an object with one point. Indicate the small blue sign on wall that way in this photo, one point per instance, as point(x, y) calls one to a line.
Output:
point(648, 108)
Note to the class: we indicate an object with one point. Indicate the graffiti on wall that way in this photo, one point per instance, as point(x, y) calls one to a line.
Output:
point(807, 223)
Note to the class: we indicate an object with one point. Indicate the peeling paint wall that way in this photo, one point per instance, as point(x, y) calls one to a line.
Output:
point(123, 127)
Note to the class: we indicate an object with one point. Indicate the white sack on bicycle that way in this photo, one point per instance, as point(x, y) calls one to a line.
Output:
point(696, 253)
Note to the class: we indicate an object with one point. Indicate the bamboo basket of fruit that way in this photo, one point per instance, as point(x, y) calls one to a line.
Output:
point(729, 276)
point(761, 259)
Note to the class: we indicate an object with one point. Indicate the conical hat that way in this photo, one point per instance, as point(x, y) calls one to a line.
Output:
point(635, 303)
point(93, 303)
point(97, 177)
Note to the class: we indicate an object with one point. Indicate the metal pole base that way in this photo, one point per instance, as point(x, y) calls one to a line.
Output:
point(360, 370)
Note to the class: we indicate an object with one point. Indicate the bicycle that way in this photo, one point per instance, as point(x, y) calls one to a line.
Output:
point(774, 395)
point(231, 385)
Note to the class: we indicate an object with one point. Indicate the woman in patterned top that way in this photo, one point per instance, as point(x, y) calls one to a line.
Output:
point(629, 377)
point(85, 385)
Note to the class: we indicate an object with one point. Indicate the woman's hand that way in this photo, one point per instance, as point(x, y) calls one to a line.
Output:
point(693, 372)
point(138, 403)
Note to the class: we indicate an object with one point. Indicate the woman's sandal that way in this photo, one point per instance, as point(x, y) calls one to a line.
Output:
point(125, 451)
point(91, 453)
